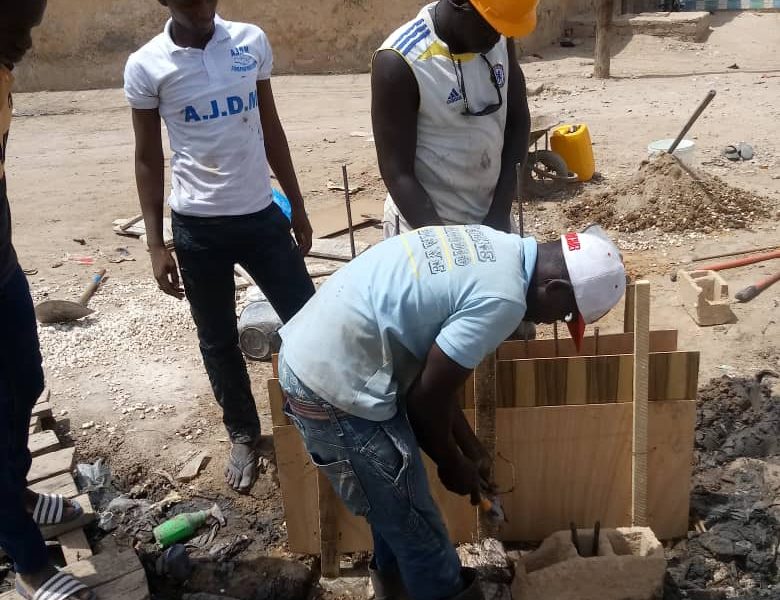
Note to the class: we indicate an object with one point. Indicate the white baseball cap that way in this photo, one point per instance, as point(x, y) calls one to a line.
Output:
point(597, 274)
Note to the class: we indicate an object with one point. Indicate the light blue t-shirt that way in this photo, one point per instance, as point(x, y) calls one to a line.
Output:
point(363, 338)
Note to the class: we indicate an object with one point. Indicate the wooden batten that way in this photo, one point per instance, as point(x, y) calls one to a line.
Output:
point(593, 380)
point(615, 343)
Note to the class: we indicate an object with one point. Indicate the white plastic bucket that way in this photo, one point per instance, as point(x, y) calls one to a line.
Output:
point(685, 151)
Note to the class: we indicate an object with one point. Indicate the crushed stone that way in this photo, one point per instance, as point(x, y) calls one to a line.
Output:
point(669, 197)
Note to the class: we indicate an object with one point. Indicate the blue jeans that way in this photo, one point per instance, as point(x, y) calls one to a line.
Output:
point(377, 470)
point(21, 382)
point(207, 249)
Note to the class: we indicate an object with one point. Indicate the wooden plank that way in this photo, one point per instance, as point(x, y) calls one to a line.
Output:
point(336, 249)
point(43, 442)
point(593, 379)
point(104, 572)
point(331, 221)
point(75, 546)
point(45, 396)
point(59, 484)
point(297, 478)
point(640, 405)
point(42, 410)
point(628, 309)
point(485, 429)
point(615, 343)
point(49, 465)
point(133, 586)
point(671, 432)
point(573, 463)
point(50, 532)
point(276, 400)
point(35, 425)
point(275, 364)
point(329, 528)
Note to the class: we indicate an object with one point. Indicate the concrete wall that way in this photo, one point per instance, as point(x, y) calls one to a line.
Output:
point(84, 44)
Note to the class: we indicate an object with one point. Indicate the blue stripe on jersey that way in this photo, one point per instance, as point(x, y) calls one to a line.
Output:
point(409, 34)
point(409, 46)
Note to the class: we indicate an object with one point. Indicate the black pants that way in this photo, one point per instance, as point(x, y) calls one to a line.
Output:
point(207, 249)
point(21, 382)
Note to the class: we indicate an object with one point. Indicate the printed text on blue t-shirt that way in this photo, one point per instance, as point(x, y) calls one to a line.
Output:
point(232, 105)
point(451, 246)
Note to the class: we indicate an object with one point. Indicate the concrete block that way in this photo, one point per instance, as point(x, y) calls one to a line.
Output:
point(705, 295)
point(630, 565)
point(684, 26)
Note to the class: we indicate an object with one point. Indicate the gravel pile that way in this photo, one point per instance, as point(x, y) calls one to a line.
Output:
point(131, 320)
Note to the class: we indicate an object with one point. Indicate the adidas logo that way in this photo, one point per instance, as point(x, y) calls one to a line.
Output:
point(454, 97)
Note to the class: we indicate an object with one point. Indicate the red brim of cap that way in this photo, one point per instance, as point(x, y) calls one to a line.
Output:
point(577, 331)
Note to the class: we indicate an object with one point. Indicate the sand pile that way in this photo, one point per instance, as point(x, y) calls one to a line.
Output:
point(669, 197)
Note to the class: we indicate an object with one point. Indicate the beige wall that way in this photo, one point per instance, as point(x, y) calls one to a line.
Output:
point(84, 44)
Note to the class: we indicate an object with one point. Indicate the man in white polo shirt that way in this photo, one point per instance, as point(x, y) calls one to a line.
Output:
point(376, 381)
point(209, 80)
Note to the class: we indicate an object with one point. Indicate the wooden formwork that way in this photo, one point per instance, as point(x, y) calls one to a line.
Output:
point(564, 442)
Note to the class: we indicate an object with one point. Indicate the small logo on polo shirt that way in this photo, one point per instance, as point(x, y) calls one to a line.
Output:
point(454, 97)
point(243, 61)
point(500, 74)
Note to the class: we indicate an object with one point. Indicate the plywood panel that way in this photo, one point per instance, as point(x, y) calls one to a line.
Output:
point(617, 343)
point(593, 379)
point(298, 480)
point(573, 463)
point(557, 465)
point(671, 431)
point(276, 401)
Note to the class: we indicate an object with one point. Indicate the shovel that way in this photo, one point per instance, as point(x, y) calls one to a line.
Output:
point(65, 311)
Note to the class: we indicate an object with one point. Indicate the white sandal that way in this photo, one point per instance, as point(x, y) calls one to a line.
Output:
point(50, 508)
point(59, 587)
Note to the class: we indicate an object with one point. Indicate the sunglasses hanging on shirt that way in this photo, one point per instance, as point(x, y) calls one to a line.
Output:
point(491, 108)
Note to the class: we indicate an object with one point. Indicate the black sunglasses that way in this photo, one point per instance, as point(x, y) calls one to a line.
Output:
point(490, 109)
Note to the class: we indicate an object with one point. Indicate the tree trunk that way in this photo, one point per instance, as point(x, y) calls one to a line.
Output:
point(603, 26)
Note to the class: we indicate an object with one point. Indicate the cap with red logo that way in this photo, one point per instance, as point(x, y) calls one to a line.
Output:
point(597, 274)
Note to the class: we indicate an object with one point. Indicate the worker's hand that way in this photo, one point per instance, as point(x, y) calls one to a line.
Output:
point(461, 476)
point(166, 272)
point(302, 230)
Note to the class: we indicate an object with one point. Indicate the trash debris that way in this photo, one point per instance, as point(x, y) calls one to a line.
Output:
point(88, 425)
point(80, 241)
point(86, 261)
point(183, 526)
point(93, 477)
point(193, 466)
point(175, 563)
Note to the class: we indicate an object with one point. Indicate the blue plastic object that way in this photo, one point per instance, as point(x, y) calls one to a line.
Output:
point(283, 203)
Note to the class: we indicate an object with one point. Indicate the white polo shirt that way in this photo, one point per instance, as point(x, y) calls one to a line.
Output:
point(209, 102)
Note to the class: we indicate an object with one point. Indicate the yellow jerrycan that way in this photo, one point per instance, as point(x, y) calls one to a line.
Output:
point(572, 144)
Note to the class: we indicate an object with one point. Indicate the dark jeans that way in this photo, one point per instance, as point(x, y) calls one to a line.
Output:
point(207, 249)
point(377, 470)
point(21, 383)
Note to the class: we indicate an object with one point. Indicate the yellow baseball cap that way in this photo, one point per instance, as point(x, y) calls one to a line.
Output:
point(511, 18)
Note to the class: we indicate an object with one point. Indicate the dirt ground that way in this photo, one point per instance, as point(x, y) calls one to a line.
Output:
point(132, 372)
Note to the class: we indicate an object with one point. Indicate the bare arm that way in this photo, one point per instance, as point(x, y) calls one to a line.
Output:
point(277, 150)
point(438, 424)
point(395, 100)
point(150, 181)
point(518, 128)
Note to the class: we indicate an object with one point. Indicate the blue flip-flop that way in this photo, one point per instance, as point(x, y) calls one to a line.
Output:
point(50, 510)
point(59, 587)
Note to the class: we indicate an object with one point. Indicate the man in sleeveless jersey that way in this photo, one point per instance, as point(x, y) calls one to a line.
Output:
point(450, 114)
